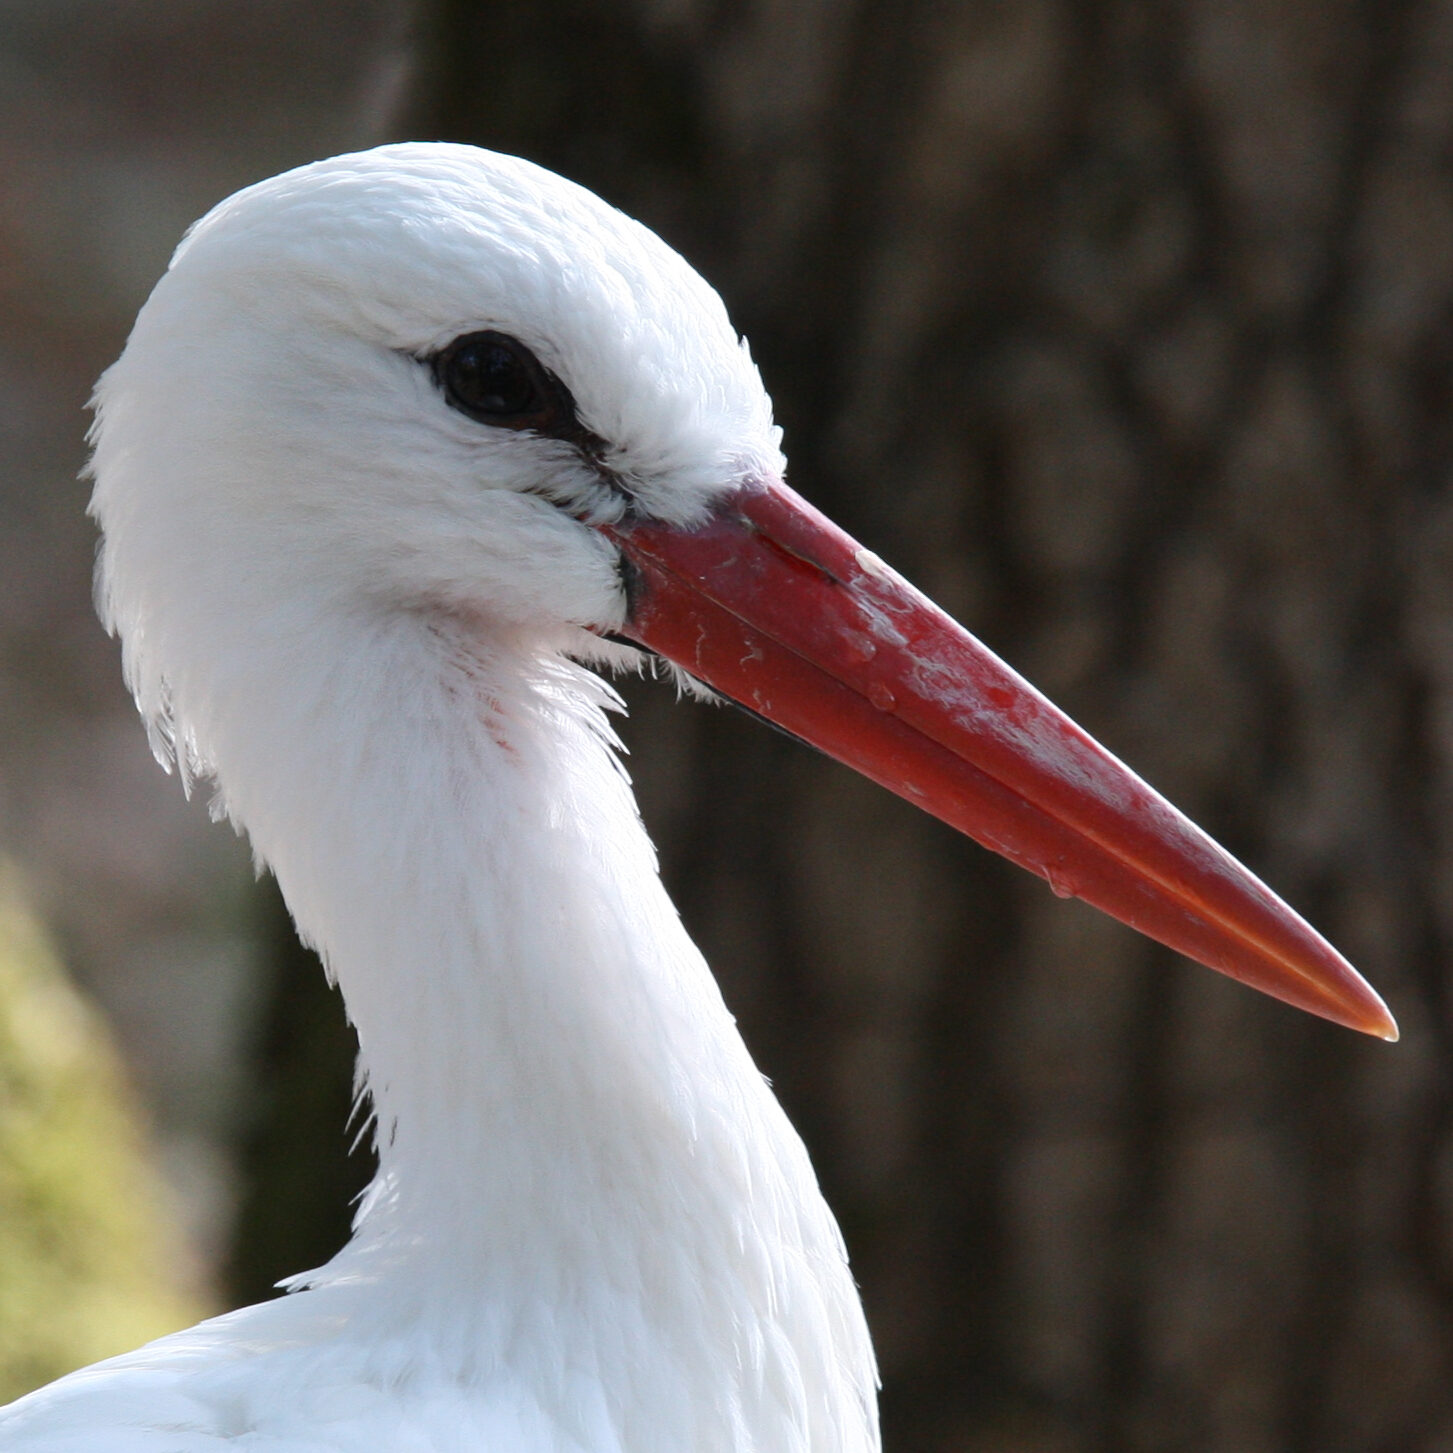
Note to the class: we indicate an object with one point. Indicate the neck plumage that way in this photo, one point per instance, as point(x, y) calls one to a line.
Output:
point(581, 1172)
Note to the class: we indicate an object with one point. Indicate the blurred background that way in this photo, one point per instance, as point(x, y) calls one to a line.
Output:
point(1125, 330)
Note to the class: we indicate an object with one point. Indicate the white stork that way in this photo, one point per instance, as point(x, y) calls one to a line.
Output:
point(401, 445)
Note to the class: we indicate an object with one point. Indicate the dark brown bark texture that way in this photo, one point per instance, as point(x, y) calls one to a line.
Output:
point(1126, 330)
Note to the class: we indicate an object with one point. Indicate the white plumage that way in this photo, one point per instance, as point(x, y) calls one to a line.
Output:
point(354, 608)
point(355, 593)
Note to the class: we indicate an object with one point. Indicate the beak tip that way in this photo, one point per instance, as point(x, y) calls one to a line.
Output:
point(1375, 1018)
point(1362, 1009)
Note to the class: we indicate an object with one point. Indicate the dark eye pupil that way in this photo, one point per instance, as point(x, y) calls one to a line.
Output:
point(493, 379)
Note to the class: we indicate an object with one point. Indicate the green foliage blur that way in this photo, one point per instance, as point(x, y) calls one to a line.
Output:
point(84, 1272)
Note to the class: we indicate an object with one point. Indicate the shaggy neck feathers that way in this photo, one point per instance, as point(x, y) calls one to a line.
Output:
point(579, 1166)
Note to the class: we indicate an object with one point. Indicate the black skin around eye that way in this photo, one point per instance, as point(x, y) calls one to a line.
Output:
point(494, 379)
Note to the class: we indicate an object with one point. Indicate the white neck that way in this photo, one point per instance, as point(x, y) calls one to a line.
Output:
point(580, 1168)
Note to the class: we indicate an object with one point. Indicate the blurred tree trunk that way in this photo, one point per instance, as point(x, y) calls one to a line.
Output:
point(1124, 330)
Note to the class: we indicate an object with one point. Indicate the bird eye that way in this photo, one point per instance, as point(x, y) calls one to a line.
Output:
point(497, 380)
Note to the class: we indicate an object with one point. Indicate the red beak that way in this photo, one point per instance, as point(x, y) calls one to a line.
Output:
point(771, 604)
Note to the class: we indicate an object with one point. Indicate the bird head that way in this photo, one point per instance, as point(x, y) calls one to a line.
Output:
point(416, 376)
point(431, 381)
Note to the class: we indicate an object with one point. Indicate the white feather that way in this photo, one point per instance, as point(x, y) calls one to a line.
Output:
point(356, 610)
